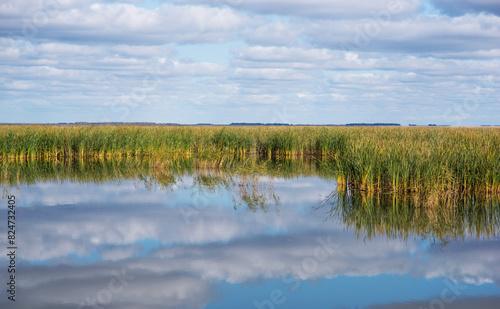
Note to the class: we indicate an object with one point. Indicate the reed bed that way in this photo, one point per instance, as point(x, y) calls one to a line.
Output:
point(372, 159)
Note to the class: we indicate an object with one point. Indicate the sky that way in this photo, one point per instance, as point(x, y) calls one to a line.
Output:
point(223, 61)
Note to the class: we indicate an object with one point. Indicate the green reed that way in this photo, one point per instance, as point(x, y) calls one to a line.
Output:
point(401, 160)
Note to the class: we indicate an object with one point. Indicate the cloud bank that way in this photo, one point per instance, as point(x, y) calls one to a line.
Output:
point(250, 61)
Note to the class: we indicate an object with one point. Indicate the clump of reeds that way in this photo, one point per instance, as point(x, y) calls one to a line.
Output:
point(398, 160)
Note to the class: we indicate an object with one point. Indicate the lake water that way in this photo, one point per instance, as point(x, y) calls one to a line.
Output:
point(96, 236)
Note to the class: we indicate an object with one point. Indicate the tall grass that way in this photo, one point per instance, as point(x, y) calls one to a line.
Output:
point(400, 160)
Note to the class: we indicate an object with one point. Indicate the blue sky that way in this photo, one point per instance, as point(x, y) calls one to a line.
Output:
point(223, 61)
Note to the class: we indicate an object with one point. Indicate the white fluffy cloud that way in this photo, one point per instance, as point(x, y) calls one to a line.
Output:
point(122, 23)
point(337, 9)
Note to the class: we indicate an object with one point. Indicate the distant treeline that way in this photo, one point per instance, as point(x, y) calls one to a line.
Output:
point(373, 125)
point(240, 124)
point(258, 124)
point(314, 125)
point(80, 123)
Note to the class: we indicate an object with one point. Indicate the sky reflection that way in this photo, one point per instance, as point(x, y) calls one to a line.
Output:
point(120, 245)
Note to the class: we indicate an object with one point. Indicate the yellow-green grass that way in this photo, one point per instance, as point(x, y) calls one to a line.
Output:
point(372, 159)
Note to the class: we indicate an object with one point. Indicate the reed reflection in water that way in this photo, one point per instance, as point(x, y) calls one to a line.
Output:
point(449, 218)
point(455, 218)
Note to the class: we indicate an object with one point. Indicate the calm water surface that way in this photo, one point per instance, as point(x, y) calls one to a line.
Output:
point(217, 240)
